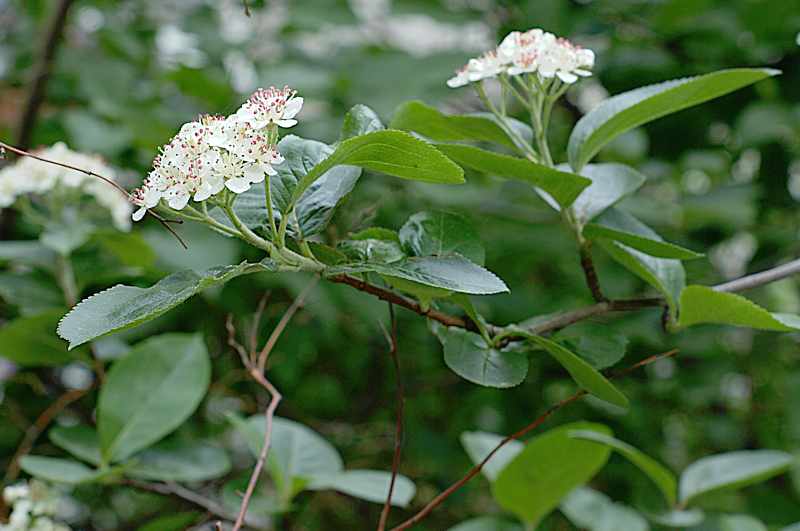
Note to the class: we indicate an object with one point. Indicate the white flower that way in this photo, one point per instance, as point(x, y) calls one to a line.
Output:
point(32, 176)
point(216, 153)
point(532, 51)
point(268, 106)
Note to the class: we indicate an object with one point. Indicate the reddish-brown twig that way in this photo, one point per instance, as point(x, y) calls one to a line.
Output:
point(391, 338)
point(255, 363)
point(475, 470)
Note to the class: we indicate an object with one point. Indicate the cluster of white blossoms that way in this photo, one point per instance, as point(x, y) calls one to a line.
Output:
point(216, 153)
point(532, 51)
point(32, 508)
point(32, 176)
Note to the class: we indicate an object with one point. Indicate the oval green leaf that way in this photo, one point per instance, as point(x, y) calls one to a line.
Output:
point(703, 304)
point(731, 471)
point(645, 104)
point(370, 485)
point(658, 473)
point(584, 374)
point(440, 234)
point(468, 355)
point(150, 392)
point(178, 461)
point(549, 468)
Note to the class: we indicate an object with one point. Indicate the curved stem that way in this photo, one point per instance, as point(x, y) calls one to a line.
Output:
point(248, 235)
point(522, 146)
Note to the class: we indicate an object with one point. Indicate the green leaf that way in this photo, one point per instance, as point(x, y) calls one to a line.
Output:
point(179, 462)
point(150, 392)
point(31, 341)
point(370, 485)
point(678, 518)
point(593, 511)
point(731, 470)
point(469, 356)
point(660, 475)
point(611, 182)
point(617, 225)
point(81, 441)
point(487, 523)
point(702, 304)
point(172, 522)
point(296, 455)
point(453, 273)
point(123, 307)
point(373, 245)
point(549, 468)
point(429, 122)
point(584, 374)
point(478, 444)
point(562, 186)
point(58, 470)
point(645, 104)
point(360, 120)
point(32, 293)
point(739, 522)
point(441, 234)
point(315, 207)
point(598, 344)
point(395, 153)
point(665, 275)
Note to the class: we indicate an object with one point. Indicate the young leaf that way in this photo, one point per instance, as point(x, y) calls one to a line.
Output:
point(478, 444)
point(395, 153)
point(81, 441)
point(373, 245)
point(610, 183)
point(122, 306)
point(593, 511)
point(702, 304)
point(150, 392)
point(645, 104)
point(360, 120)
point(469, 356)
point(549, 468)
point(58, 470)
point(665, 275)
point(29, 341)
point(660, 475)
point(487, 523)
point(441, 234)
point(179, 462)
point(562, 186)
point(618, 225)
point(731, 471)
point(583, 373)
point(453, 273)
point(370, 485)
point(431, 123)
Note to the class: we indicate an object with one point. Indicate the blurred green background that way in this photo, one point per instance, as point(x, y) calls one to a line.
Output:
point(724, 179)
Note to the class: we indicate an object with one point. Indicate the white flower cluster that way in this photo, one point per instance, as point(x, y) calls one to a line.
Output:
point(31, 176)
point(32, 508)
point(525, 53)
point(215, 152)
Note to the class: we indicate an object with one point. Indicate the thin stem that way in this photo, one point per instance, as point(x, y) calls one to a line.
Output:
point(270, 213)
point(522, 146)
point(269, 415)
point(759, 279)
point(287, 316)
point(475, 470)
point(398, 432)
point(513, 90)
point(173, 489)
point(249, 236)
point(66, 280)
point(592, 281)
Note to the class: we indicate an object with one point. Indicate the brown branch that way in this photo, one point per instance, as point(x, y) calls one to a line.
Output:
point(398, 432)
point(255, 363)
point(41, 72)
point(590, 273)
point(475, 470)
point(36, 429)
point(399, 300)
